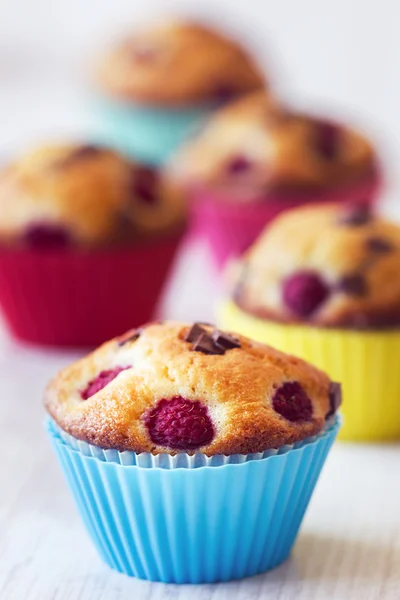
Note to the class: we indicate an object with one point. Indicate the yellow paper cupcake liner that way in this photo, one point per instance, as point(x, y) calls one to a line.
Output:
point(367, 363)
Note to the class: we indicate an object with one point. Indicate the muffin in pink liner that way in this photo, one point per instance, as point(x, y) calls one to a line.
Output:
point(256, 159)
point(86, 242)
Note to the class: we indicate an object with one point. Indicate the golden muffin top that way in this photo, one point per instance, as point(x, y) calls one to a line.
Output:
point(174, 387)
point(84, 195)
point(255, 146)
point(177, 64)
point(331, 265)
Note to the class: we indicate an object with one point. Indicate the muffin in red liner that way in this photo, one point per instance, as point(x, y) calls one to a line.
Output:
point(256, 159)
point(87, 240)
point(73, 298)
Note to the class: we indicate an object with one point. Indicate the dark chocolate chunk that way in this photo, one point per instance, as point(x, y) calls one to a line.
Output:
point(224, 340)
point(133, 334)
point(379, 245)
point(217, 342)
point(335, 398)
point(194, 333)
point(206, 345)
point(130, 336)
point(355, 215)
point(354, 285)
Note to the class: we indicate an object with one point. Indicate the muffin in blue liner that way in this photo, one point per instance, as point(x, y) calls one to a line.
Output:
point(154, 88)
point(176, 489)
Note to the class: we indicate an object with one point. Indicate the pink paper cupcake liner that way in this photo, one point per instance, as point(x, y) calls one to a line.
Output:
point(82, 298)
point(230, 228)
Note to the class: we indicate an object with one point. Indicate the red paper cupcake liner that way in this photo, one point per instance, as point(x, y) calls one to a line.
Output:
point(230, 228)
point(82, 298)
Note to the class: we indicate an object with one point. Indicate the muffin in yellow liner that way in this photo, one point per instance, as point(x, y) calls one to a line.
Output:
point(365, 362)
point(323, 283)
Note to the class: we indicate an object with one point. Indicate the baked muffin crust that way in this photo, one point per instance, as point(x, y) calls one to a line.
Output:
point(332, 266)
point(177, 387)
point(177, 64)
point(84, 195)
point(255, 146)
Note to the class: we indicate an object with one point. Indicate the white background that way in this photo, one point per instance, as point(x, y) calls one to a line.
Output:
point(343, 54)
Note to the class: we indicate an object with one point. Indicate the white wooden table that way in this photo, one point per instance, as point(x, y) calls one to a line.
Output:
point(348, 547)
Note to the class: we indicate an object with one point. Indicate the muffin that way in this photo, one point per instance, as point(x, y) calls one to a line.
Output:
point(154, 87)
point(80, 226)
point(168, 436)
point(323, 282)
point(256, 158)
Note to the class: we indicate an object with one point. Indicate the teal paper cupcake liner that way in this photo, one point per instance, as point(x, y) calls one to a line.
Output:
point(147, 134)
point(194, 525)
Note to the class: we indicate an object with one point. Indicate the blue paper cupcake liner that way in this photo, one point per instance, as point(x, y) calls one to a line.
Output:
point(194, 525)
point(147, 134)
point(166, 461)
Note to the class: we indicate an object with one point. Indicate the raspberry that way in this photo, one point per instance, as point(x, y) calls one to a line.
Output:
point(144, 185)
point(327, 139)
point(292, 402)
point(304, 292)
point(144, 53)
point(100, 382)
point(46, 237)
point(238, 164)
point(224, 93)
point(180, 424)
